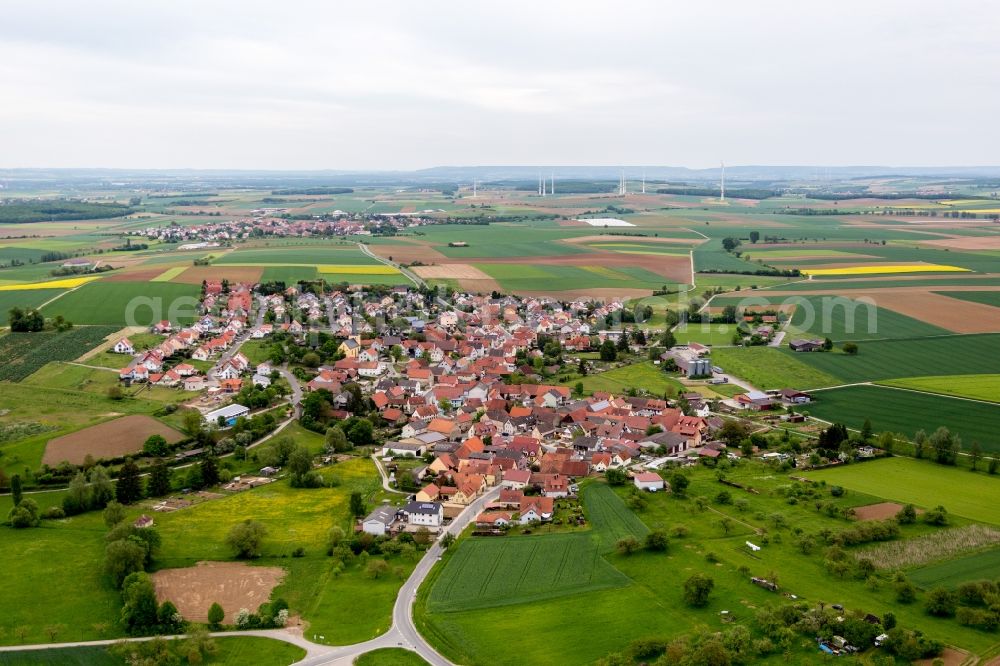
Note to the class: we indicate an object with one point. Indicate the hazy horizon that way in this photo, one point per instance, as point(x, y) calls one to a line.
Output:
point(397, 87)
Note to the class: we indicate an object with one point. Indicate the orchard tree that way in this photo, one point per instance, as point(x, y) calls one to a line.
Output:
point(246, 538)
point(697, 588)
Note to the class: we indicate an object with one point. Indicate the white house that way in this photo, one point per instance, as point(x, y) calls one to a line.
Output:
point(424, 514)
point(404, 449)
point(650, 481)
point(124, 346)
point(379, 521)
point(262, 381)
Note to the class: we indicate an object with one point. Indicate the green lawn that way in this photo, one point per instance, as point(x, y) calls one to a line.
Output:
point(908, 411)
point(923, 483)
point(770, 368)
point(706, 334)
point(980, 387)
point(390, 657)
point(127, 303)
point(643, 376)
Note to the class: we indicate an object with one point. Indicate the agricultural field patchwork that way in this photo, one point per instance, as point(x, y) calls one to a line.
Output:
point(21, 354)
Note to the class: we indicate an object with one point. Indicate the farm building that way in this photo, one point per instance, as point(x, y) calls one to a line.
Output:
point(805, 345)
point(755, 400)
point(793, 397)
point(379, 522)
point(689, 362)
point(405, 449)
point(650, 481)
point(228, 414)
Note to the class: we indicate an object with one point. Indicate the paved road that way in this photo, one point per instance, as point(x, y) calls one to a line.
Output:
point(385, 477)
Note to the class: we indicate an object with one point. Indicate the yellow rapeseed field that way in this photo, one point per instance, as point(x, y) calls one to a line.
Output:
point(871, 270)
point(355, 269)
point(68, 283)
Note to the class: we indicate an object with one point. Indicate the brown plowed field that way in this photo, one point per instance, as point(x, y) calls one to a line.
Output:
point(967, 242)
point(198, 274)
point(112, 439)
point(233, 585)
point(674, 268)
point(451, 271)
point(407, 254)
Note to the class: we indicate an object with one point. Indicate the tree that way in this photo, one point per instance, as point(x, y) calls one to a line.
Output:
point(657, 541)
point(216, 615)
point(376, 569)
point(334, 537)
point(102, 489)
point(357, 505)
point(667, 339)
point(623, 342)
point(139, 608)
point(129, 488)
point(941, 602)
point(25, 514)
point(729, 243)
point(447, 540)
point(754, 236)
point(578, 389)
point(16, 491)
point(209, 470)
point(627, 545)
point(887, 442)
point(616, 476)
point(945, 445)
point(697, 589)
point(168, 617)
point(246, 538)
point(679, 483)
point(159, 480)
point(581, 368)
point(155, 445)
point(114, 513)
point(850, 348)
point(336, 440)
point(919, 444)
point(123, 558)
point(827, 344)
point(608, 351)
point(116, 393)
point(975, 454)
point(907, 515)
point(866, 431)
point(359, 431)
point(77, 497)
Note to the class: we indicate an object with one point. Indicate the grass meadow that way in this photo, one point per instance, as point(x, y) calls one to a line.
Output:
point(642, 376)
point(952, 573)
point(390, 657)
point(231, 651)
point(977, 387)
point(770, 368)
point(975, 496)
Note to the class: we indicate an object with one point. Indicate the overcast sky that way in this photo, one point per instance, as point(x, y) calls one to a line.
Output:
point(401, 85)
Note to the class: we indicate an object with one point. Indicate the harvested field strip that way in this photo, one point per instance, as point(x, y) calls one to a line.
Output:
point(451, 271)
point(873, 270)
point(68, 283)
point(169, 274)
point(108, 440)
point(930, 547)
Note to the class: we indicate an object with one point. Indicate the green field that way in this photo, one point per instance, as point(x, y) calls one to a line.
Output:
point(770, 368)
point(837, 317)
point(984, 297)
point(288, 274)
point(115, 302)
point(979, 387)
point(24, 299)
point(359, 278)
point(21, 354)
point(540, 277)
point(890, 359)
point(706, 334)
point(311, 254)
point(642, 376)
point(952, 573)
point(908, 411)
point(922, 483)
